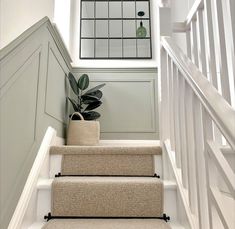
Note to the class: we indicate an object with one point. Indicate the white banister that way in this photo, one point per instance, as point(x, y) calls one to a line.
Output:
point(194, 48)
point(188, 42)
point(183, 142)
point(201, 43)
point(222, 165)
point(190, 148)
point(198, 4)
point(171, 101)
point(200, 164)
point(199, 116)
point(176, 116)
point(200, 112)
point(210, 46)
point(222, 52)
point(220, 111)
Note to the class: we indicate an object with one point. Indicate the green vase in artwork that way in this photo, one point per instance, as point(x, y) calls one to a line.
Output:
point(141, 31)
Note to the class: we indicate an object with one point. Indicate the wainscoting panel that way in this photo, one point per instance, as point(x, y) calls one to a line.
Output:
point(57, 89)
point(33, 92)
point(129, 102)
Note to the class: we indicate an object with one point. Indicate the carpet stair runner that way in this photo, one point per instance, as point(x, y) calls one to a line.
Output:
point(108, 186)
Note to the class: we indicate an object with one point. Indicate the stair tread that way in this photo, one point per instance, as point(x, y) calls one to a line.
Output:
point(112, 147)
point(106, 224)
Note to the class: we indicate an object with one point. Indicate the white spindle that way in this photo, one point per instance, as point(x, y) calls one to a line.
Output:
point(171, 102)
point(183, 142)
point(188, 40)
point(210, 46)
point(208, 135)
point(221, 50)
point(229, 37)
point(163, 105)
point(201, 42)
point(194, 47)
point(210, 54)
point(176, 116)
point(190, 148)
point(200, 165)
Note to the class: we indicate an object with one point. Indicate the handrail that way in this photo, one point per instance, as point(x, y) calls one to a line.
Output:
point(198, 4)
point(218, 108)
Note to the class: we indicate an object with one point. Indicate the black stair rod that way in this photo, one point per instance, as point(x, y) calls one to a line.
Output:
point(60, 175)
point(49, 217)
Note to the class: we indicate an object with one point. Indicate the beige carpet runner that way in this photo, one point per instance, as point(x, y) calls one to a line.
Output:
point(107, 160)
point(107, 197)
point(107, 181)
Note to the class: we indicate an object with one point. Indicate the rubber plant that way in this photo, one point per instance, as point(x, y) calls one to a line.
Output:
point(86, 100)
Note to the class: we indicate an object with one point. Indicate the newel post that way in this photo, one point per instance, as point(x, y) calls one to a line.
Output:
point(164, 28)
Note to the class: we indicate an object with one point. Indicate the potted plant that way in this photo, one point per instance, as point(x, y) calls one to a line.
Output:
point(86, 100)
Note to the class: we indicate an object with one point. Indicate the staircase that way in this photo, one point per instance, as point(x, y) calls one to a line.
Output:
point(188, 175)
point(113, 185)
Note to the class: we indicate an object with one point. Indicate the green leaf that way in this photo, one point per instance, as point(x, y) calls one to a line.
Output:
point(90, 115)
point(74, 104)
point(87, 99)
point(73, 83)
point(97, 94)
point(83, 82)
point(93, 105)
point(94, 89)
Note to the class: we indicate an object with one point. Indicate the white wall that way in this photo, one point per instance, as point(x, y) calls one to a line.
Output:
point(18, 15)
point(73, 44)
point(180, 10)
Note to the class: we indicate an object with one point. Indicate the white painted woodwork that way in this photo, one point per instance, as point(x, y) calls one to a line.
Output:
point(205, 172)
point(207, 116)
point(229, 40)
point(183, 142)
point(188, 42)
point(201, 43)
point(198, 4)
point(194, 46)
point(210, 46)
point(221, 50)
point(175, 85)
point(171, 101)
point(223, 166)
point(189, 115)
point(189, 221)
point(29, 188)
point(164, 29)
point(221, 112)
point(200, 164)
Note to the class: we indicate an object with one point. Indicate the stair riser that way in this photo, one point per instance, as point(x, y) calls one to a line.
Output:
point(112, 197)
point(55, 165)
point(44, 202)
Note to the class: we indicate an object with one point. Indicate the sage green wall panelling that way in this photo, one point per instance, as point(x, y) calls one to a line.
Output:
point(32, 97)
point(129, 108)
